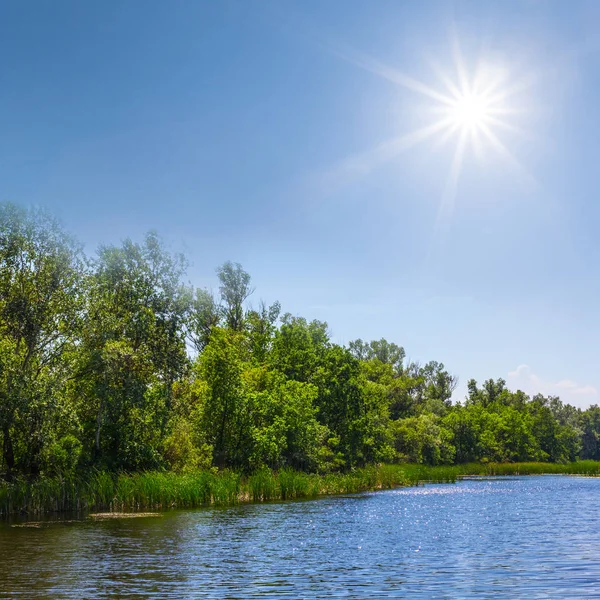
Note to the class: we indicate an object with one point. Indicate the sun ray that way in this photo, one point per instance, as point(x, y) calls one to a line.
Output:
point(507, 155)
point(446, 136)
point(487, 79)
point(492, 120)
point(446, 207)
point(506, 111)
point(449, 196)
point(384, 71)
point(516, 88)
point(445, 79)
point(477, 145)
point(363, 163)
point(461, 69)
point(470, 106)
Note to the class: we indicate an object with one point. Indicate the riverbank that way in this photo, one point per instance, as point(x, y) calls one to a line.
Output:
point(102, 491)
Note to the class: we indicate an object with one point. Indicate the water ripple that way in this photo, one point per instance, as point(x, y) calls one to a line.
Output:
point(533, 537)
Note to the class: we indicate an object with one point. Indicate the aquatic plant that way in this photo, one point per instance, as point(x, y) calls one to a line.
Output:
point(104, 491)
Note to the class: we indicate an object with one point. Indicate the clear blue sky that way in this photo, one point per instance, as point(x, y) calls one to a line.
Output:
point(263, 132)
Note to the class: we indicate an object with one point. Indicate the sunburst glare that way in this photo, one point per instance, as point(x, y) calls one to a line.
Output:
point(471, 107)
point(469, 111)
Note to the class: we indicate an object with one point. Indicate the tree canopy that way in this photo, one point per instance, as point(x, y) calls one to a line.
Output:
point(115, 362)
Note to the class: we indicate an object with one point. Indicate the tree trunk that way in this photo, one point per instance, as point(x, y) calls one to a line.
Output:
point(8, 452)
point(97, 437)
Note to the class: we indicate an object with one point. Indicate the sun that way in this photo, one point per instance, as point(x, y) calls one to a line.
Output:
point(470, 111)
point(473, 106)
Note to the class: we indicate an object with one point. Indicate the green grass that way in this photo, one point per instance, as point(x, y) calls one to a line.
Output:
point(583, 467)
point(102, 491)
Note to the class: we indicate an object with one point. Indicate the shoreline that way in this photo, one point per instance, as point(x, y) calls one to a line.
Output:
point(103, 492)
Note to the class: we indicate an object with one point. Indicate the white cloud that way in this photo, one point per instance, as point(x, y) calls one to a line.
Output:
point(569, 391)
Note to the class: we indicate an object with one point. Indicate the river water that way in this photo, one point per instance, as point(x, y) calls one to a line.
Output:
point(528, 537)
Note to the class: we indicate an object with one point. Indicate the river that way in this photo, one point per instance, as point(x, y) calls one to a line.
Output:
point(517, 537)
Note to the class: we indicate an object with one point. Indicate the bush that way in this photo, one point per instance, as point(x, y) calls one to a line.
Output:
point(62, 457)
point(183, 453)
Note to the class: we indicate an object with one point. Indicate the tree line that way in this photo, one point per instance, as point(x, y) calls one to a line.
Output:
point(115, 362)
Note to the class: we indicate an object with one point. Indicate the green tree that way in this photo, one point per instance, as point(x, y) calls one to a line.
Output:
point(343, 406)
point(132, 351)
point(285, 430)
point(590, 439)
point(225, 421)
point(40, 301)
point(235, 289)
point(423, 439)
point(204, 315)
point(465, 427)
point(298, 347)
point(382, 350)
point(261, 327)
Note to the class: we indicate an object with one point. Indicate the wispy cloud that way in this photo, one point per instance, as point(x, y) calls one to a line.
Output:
point(570, 391)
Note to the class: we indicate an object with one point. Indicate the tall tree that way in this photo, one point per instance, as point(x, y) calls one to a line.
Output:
point(133, 349)
point(235, 289)
point(382, 350)
point(225, 419)
point(204, 315)
point(40, 272)
point(261, 326)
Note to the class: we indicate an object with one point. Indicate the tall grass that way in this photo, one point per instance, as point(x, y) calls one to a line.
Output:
point(161, 490)
point(582, 467)
point(102, 491)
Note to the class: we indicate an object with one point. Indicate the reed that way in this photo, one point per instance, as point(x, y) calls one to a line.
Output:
point(419, 474)
point(103, 491)
point(294, 484)
point(262, 486)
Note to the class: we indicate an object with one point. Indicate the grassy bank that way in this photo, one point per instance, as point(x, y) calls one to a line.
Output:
point(161, 490)
point(102, 491)
point(421, 473)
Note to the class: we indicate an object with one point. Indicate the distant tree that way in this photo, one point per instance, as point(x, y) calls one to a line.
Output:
point(235, 289)
point(261, 326)
point(203, 316)
point(491, 391)
point(382, 350)
point(423, 439)
point(590, 439)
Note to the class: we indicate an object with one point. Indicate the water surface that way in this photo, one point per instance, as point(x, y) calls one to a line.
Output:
point(529, 537)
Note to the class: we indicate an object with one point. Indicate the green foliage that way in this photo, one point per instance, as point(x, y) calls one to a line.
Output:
point(40, 303)
point(261, 327)
point(183, 451)
point(223, 413)
point(384, 352)
point(132, 351)
point(422, 440)
point(62, 457)
point(298, 347)
point(284, 426)
point(590, 439)
point(204, 314)
point(235, 289)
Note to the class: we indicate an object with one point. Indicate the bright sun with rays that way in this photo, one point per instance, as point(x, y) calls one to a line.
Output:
point(470, 108)
point(470, 111)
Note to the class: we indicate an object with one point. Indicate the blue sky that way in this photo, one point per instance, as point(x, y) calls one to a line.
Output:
point(278, 134)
